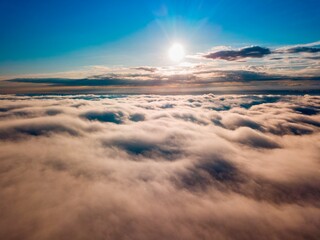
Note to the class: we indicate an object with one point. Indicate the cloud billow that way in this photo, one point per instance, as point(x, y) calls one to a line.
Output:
point(131, 167)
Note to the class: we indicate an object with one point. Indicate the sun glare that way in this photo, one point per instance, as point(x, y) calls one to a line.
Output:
point(176, 52)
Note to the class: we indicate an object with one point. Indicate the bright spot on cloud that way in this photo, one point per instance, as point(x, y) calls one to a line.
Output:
point(176, 52)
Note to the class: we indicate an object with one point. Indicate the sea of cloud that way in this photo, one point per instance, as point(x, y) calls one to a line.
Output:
point(160, 167)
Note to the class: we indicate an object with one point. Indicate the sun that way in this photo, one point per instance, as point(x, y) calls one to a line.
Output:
point(176, 52)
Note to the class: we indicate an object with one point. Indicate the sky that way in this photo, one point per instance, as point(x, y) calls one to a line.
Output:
point(81, 39)
point(158, 120)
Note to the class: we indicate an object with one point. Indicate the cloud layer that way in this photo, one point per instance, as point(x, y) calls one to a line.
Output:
point(253, 69)
point(160, 167)
point(200, 80)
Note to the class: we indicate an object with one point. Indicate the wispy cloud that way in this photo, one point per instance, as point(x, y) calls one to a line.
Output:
point(146, 68)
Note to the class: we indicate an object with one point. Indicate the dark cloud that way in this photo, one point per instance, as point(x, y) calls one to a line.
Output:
point(126, 167)
point(94, 81)
point(314, 58)
point(254, 139)
point(302, 49)
point(235, 121)
point(46, 127)
point(233, 55)
point(113, 117)
point(307, 110)
point(195, 82)
point(260, 52)
point(252, 101)
point(148, 69)
point(276, 58)
point(220, 170)
point(137, 117)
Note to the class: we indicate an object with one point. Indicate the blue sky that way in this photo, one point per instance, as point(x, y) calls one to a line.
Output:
point(63, 35)
point(114, 39)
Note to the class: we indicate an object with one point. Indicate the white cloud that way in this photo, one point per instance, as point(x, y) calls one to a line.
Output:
point(159, 167)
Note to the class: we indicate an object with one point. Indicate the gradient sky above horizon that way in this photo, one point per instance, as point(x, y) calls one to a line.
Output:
point(50, 36)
